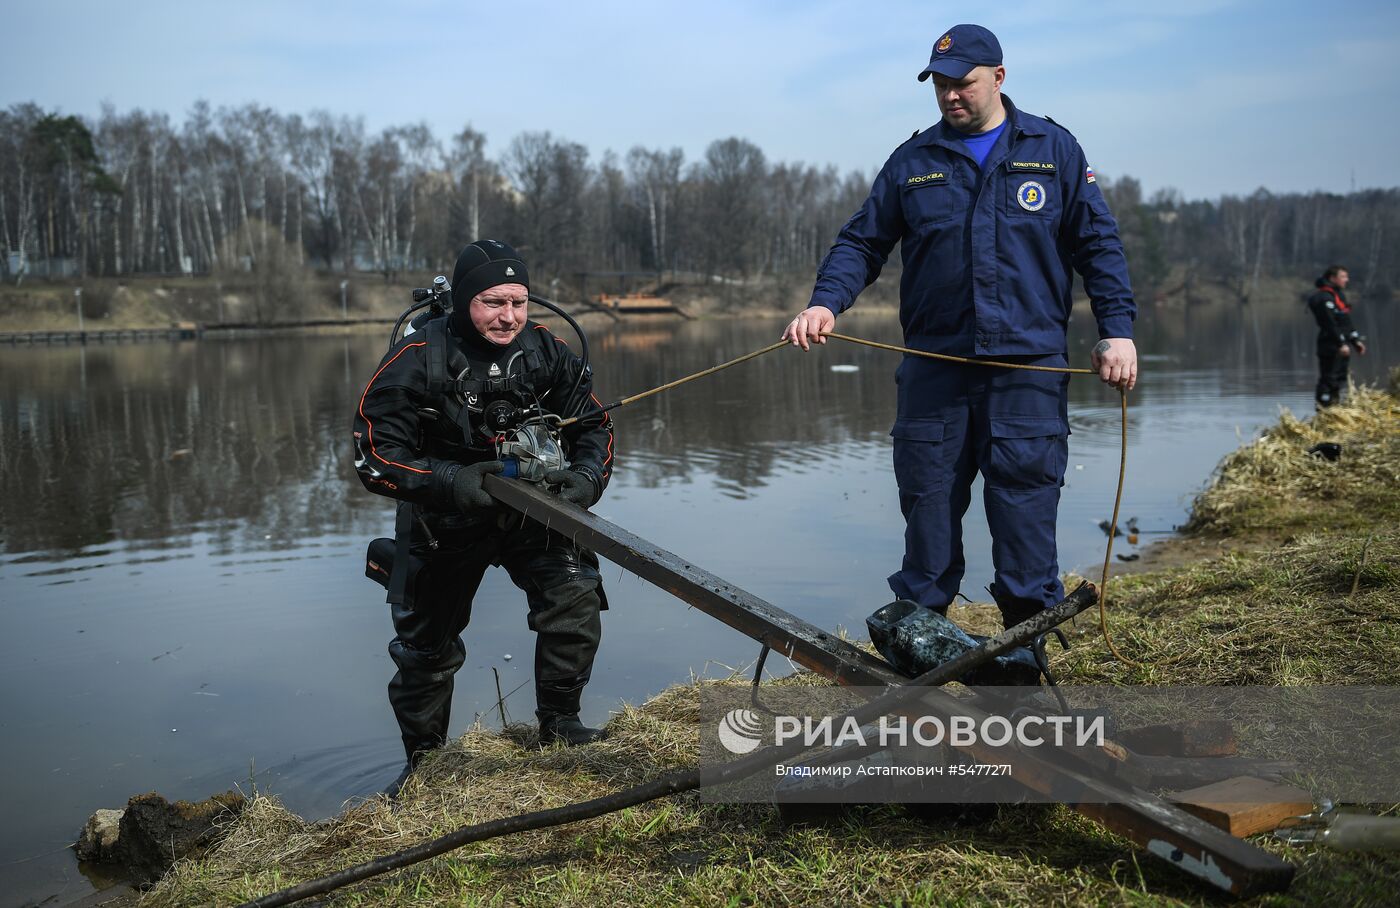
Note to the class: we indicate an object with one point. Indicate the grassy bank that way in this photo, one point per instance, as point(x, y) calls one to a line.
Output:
point(1308, 593)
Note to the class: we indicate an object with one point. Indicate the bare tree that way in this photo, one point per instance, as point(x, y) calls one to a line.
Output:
point(551, 178)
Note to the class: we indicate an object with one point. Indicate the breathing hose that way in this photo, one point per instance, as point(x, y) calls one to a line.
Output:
point(583, 344)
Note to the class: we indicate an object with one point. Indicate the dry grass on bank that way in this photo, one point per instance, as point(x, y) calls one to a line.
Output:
point(1275, 486)
point(1315, 596)
point(1282, 615)
point(682, 852)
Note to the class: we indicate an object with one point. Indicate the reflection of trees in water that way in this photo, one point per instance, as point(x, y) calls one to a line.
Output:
point(87, 437)
point(95, 442)
point(92, 439)
point(779, 410)
point(1266, 334)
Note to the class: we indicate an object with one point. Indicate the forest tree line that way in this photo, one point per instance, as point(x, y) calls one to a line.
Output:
point(249, 189)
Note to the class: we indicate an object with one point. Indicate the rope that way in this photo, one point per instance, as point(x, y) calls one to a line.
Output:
point(956, 359)
point(1113, 528)
point(675, 384)
point(909, 351)
point(677, 782)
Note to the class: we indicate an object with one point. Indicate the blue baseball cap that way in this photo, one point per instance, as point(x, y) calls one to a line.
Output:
point(960, 49)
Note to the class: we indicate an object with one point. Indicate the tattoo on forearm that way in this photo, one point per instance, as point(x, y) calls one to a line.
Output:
point(1101, 347)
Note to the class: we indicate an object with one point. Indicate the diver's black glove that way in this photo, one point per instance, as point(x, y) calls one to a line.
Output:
point(467, 492)
point(575, 486)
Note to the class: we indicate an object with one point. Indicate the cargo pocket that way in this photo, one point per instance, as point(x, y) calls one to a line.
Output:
point(919, 455)
point(1027, 452)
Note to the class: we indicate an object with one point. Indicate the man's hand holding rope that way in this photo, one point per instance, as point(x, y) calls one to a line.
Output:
point(810, 326)
point(1115, 359)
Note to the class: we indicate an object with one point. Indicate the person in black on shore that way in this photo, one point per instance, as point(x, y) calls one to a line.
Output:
point(1337, 337)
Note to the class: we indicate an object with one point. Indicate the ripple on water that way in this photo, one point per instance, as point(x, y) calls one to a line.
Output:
point(318, 783)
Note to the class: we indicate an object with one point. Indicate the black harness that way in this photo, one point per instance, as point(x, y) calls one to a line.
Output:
point(460, 389)
point(455, 420)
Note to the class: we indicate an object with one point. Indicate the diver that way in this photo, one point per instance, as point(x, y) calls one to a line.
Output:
point(427, 430)
point(1337, 337)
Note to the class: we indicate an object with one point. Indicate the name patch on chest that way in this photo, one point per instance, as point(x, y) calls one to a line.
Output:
point(1031, 166)
point(925, 179)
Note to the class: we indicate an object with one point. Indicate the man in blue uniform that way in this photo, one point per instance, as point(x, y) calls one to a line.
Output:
point(994, 209)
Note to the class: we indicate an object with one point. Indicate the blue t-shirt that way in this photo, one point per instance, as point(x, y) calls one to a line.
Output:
point(981, 144)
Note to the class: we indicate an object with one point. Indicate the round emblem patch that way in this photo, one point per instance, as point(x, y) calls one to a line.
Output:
point(1031, 195)
point(943, 44)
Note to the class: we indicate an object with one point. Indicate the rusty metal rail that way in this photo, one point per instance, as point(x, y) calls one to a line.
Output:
point(1182, 840)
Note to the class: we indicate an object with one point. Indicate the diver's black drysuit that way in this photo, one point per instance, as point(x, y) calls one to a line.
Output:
point(409, 445)
point(1335, 330)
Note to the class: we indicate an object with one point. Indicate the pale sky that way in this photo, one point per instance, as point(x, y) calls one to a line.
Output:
point(1207, 96)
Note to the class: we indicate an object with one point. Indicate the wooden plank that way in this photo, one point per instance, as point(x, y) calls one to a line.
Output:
point(1186, 842)
point(1244, 805)
point(1188, 772)
point(1192, 738)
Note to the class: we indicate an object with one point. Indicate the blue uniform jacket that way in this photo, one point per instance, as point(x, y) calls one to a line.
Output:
point(987, 252)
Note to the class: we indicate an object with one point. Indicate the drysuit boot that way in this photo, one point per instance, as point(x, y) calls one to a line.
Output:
point(421, 693)
point(557, 705)
point(410, 765)
point(393, 788)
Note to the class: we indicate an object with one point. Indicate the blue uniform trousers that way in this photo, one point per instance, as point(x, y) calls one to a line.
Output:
point(955, 420)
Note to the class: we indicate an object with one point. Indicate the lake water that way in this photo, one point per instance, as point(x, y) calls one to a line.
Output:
point(182, 599)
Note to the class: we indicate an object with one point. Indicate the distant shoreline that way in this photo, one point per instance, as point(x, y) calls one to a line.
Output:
point(157, 303)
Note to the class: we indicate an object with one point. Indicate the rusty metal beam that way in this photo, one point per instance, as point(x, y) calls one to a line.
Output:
point(1180, 839)
point(802, 642)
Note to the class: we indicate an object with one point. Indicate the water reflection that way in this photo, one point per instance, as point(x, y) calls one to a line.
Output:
point(182, 605)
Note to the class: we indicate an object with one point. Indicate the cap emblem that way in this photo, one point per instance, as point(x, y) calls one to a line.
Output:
point(944, 43)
